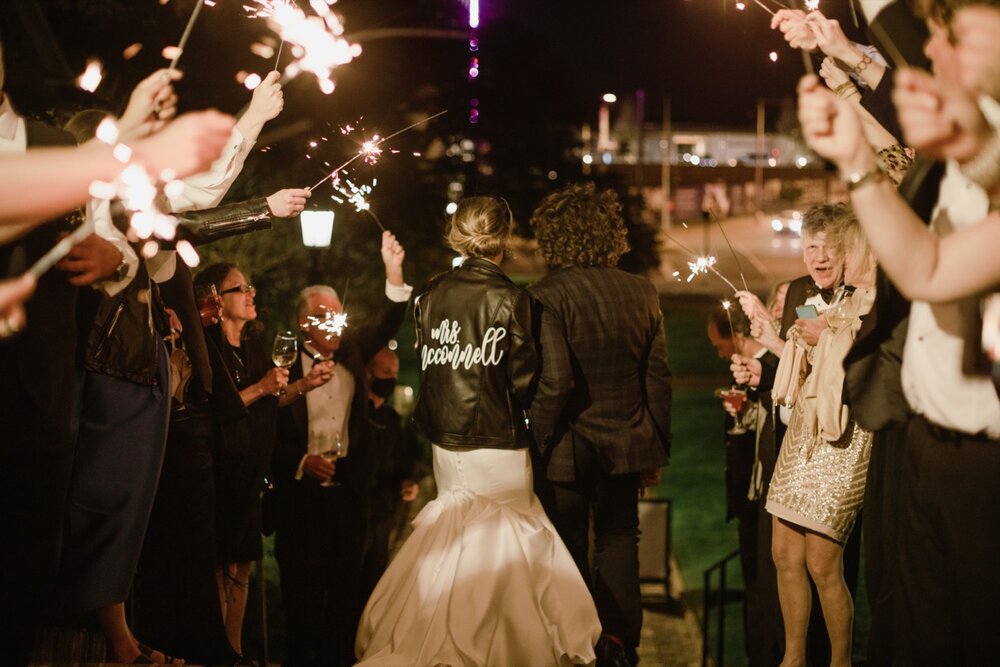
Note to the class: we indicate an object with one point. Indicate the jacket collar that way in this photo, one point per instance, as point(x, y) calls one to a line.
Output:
point(483, 265)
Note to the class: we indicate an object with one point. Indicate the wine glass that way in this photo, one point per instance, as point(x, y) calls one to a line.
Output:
point(735, 399)
point(335, 452)
point(209, 304)
point(284, 352)
point(838, 313)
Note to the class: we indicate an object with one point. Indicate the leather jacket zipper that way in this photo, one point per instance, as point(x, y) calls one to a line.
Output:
point(109, 329)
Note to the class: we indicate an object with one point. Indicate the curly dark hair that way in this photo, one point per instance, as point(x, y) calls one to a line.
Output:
point(579, 226)
point(213, 274)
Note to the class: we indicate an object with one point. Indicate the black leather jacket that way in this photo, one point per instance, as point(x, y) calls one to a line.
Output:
point(124, 329)
point(477, 357)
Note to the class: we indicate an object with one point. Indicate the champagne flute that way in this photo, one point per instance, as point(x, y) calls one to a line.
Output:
point(335, 452)
point(284, 352)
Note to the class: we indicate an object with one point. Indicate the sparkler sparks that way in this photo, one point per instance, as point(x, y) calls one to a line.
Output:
point(331, 324)
point(92, 75)
point(316, 42)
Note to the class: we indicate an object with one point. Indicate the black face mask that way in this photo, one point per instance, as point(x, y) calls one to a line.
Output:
point(382, 387)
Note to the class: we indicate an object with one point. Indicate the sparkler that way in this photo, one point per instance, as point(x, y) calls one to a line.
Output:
point(186, 35)
point(91, 77)
point(739, 267)
point(371, 150)
point(317, 42)
point(701, 263)
point(726, 305)
point(332, 323)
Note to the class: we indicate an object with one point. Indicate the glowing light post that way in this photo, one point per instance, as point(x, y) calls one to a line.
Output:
point(604, 145)
point(317, 231)
point(474, 59)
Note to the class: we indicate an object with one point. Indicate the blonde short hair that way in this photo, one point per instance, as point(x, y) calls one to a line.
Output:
point(480, 227)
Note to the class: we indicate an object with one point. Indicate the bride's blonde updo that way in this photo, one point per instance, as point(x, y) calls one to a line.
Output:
point(480, 227)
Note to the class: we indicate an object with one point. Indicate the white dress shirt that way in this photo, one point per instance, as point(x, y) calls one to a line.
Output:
point(201, 191)
point(932, 376)
point(99, 211)
point(329, 405)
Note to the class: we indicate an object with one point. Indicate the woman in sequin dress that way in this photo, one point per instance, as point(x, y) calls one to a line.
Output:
point(819, 480)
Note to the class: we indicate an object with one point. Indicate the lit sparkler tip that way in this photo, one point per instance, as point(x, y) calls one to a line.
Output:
point(331, 324)
point(92, 75)
point(726, 304)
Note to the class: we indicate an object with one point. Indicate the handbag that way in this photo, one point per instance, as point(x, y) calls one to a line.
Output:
point(180, 373)
point(791, 372)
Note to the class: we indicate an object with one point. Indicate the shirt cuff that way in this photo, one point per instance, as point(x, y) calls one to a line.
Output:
point(398, 293)
point(299, 471)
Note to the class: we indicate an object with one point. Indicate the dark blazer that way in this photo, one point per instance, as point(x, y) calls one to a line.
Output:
point(604, 377)
point(356, 470)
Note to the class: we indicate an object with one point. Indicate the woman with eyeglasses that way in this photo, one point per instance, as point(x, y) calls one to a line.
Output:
point(244, 435)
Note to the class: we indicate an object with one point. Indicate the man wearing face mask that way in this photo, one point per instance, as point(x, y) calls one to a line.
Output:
point(396, 460)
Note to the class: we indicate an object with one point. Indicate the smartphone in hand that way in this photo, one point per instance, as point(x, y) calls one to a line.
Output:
point(806, 312)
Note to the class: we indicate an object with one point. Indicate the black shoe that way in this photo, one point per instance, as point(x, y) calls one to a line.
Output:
point(611, 652)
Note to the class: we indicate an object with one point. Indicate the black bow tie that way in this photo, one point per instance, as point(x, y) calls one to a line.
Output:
point(826, 293)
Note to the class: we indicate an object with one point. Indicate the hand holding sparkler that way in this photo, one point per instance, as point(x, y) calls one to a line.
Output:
point(830, 38)
point(939, 117)
point(266, 103)
point(832, 128)
point(796, 30)
point(91, 260)
point(152, 104)
point(13, 294)
point(836, 79)
point(745, 370)
point(186, 146)
point(288, 202)
point(392, 256)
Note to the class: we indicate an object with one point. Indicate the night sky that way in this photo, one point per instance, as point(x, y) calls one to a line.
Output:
point(711, 59)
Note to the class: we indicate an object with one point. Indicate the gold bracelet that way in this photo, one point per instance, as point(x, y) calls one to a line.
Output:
point(842, 87)
point(866, 60)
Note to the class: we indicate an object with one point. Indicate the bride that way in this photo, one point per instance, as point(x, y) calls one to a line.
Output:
point(484, 579)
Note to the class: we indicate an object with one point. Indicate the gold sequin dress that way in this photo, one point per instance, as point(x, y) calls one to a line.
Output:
point(819, 479)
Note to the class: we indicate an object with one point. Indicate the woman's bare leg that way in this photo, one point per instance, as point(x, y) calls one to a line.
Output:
point(788, 548)
point(825, 561)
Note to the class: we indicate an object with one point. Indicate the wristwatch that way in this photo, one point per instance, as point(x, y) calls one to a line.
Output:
point(120, 272)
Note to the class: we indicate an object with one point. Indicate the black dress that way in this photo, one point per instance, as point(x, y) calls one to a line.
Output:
point(243, 445)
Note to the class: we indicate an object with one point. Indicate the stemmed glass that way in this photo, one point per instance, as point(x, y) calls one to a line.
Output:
point(838, 312)
point(209, 304)
point(335, 452)
point(284, 351)
point(735, 399)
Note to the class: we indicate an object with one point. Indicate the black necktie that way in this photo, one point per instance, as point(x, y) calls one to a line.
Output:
point(826, 293)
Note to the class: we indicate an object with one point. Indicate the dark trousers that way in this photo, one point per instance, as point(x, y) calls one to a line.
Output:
point(879, 524)
point(613, 577)
point(949, 547)
point(176, 600)
point(119, 451)
point(319, 545)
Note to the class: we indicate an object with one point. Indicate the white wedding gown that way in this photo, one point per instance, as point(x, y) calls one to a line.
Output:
point(484, 579)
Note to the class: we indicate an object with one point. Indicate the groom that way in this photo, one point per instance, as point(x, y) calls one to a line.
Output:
point(601, 413)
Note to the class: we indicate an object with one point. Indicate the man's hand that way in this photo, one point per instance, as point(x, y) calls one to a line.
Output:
point(318, 468)
point(746, 370)
point(92, 260)
point(176, 328)
point(408, 490)
point(811, 328)
point(832, 127)
point(796, 30)
point(266, 103)
point(151, 106)
point(288, 202)
point(392, 256)
point(319, 375)
point(13, 294)
point(648, 478)
point(939, 117)
point(187, 146)
point(274, 381)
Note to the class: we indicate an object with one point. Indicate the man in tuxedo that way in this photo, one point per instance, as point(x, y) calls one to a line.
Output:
point(320, 529)
point(601, 414)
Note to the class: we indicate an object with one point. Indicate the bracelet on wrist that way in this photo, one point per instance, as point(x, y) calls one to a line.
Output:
point(866, 60)
point(842, 87)
point(857, 180)
point(984, 168)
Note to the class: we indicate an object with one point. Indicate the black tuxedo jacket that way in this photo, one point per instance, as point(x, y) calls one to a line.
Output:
point(357, 469)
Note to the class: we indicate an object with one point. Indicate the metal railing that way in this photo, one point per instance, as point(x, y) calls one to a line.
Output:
point(708, 597)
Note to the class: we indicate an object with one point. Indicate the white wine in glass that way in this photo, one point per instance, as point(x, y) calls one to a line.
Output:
point(284, 351)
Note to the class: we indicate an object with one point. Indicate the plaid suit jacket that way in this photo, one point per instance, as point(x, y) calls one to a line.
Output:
point(604, 382)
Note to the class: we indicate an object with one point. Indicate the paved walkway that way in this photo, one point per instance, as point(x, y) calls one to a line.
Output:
point(671, 635)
